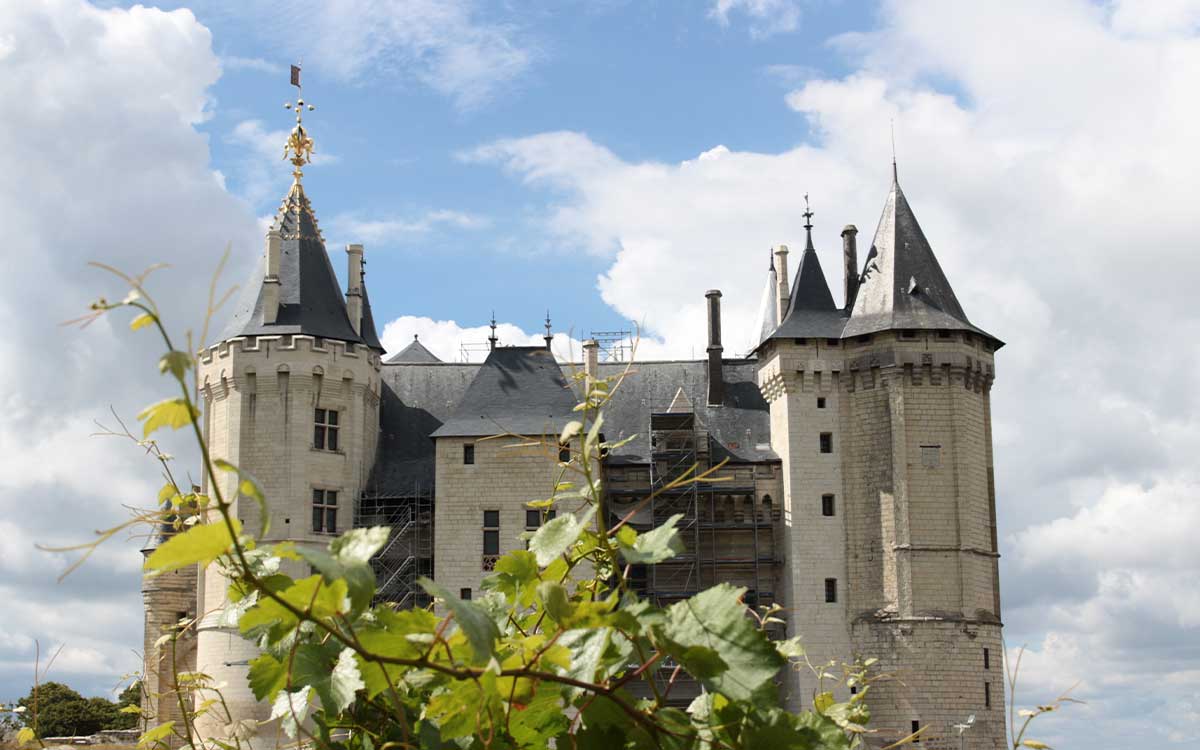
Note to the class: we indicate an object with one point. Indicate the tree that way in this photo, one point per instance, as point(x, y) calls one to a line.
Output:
point(55, 710)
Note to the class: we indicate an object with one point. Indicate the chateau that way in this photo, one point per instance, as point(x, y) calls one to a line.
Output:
point(857, 441)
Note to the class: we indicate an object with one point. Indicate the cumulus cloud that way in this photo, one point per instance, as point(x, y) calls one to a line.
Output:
point(388, 229)
point(451, 342)
point(125, 180)
point(1046, 166)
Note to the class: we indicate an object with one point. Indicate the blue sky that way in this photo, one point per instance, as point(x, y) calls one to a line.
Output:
point(611, 161)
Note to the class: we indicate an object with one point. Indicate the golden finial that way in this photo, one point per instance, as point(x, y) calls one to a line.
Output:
point(299, 147)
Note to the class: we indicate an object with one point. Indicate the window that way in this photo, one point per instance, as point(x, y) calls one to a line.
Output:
point(464, 594)
point(943, 334)
point(827, 505)
point(916, 727)
point(987, 695)
point(469, 453)
point(827, 442)
point(830, 590)
point(854, 690)
point(908, 333)
point(491, 533)
point(931, 456)
point(802, 342)
point(533, 518)
point(987, 659)
point(564, 455)
point(325, 511)
point(820, 402)
point(832, 342)
point(325, 429)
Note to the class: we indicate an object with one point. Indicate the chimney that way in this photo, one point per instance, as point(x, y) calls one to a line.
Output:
point(591, 361)
point(354, 293)
point(271, 280)
point(716, 378)
point(783, 296)
point(850, 261)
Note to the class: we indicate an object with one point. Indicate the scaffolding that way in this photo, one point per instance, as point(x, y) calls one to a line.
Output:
point(615, 346)
point(408, 554)
point(729, 533)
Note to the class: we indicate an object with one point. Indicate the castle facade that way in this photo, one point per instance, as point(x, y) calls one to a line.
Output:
point(857, 443)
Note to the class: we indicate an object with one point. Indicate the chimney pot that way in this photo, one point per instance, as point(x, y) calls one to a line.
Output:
point(850, 263)
point(716, 375)
point(784, 292)
point(354, 284)
point(591, 361)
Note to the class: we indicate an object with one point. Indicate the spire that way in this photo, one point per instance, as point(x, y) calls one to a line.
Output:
point(808, 225)
point(549, 337)
point(492, 340)
point(902, 284)
point(767, 309)
point(299, 147)
point(294, 289)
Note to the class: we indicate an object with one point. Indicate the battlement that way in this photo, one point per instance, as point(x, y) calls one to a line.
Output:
point(289, 343)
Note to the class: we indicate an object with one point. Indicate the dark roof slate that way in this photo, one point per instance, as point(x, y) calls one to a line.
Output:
point(768, 308)
point(310, 300)
point(902, 284)
point(414, 353)
point(519, 390)
point(811, 311)
point(369, 334)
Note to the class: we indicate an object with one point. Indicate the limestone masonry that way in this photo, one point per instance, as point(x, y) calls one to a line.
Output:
point(858, 442)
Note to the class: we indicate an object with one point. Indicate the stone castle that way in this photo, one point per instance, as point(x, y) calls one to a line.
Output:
point(857, 442)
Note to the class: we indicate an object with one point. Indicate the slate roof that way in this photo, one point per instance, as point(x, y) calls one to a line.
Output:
point(414, 353)
point(310, 300)
point(811, 311)
point(368, 332)
point(768, 308)
point(518, 389)
point(902, 284)
point(421, 400)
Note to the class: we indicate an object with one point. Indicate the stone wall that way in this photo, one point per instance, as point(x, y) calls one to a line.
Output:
point(166, 599)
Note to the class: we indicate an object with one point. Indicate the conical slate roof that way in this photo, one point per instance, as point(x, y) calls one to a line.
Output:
point(414, 354)
point(902, 285)
point(811, 312)
point(367, 329)
point(768, 309)
point(310, 300)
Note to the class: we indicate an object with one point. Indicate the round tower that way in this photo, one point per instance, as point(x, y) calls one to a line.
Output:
point(167, 600)
point(881, 415)
point(291, 396)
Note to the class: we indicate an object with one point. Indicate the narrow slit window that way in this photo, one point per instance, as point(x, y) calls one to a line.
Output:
point(827, 506)
point(325, 429)
point(987, 659)
point(916, 727)
point(827, 442)
point(830, 590)
point(820, 402)
point(564, 454)
point(464, 594)
point(324, 514)
point(987, 695)
point(491, 532)
point(469, 453)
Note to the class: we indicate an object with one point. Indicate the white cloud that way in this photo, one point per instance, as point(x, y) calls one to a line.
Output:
point(766, 16)
point(126, 180)
point(1047, 167)
point(451, 342)
point(451, 46)
point(257, 64)
point(358, 229)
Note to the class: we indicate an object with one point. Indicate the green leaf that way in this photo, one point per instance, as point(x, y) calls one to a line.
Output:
point(359, 577)
point(202, 544)
point(248, 487)
point(791, 648)
point(175, 362)
point(572, 428)
point(593, 433)
point(330, 671)
point(557, 535)
point(267, 676)
point(654, 546)
point(534, 724)
point(1036, 745)
point(345, 680)
point(822, 702)
point(141, 321)
point(292, 708)
point(716, 619)
point(25, 736)
point(475, 622)
point(702, 662)
point(171, 412)
point(359, 545)
point(157, 733)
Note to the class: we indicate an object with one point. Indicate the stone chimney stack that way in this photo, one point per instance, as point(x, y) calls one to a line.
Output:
point(716, 376)
point(850, 259)
point(783, 296)
point(354, 283)
point(271, 280)
point(591, 361)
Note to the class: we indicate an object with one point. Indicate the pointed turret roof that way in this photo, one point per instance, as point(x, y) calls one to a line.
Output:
point(902, 285)
point(811, 311)
point(367, 330)
point(414, 354)
point(768, 309)
point(310, 300)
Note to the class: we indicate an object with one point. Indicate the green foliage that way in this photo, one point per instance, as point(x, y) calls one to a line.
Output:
point(202, 544)
point(62, 712)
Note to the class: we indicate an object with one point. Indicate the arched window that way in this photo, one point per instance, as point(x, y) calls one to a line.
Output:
point(767, 508)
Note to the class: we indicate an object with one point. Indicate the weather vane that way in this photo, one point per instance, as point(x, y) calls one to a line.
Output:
point(299, 147)
point(808, 214)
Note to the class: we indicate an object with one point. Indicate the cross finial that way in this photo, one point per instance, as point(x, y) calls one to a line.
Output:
point(808, 225)
point(299, 147)
point(549, 337)
point(893, 127)
point(492, 340)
